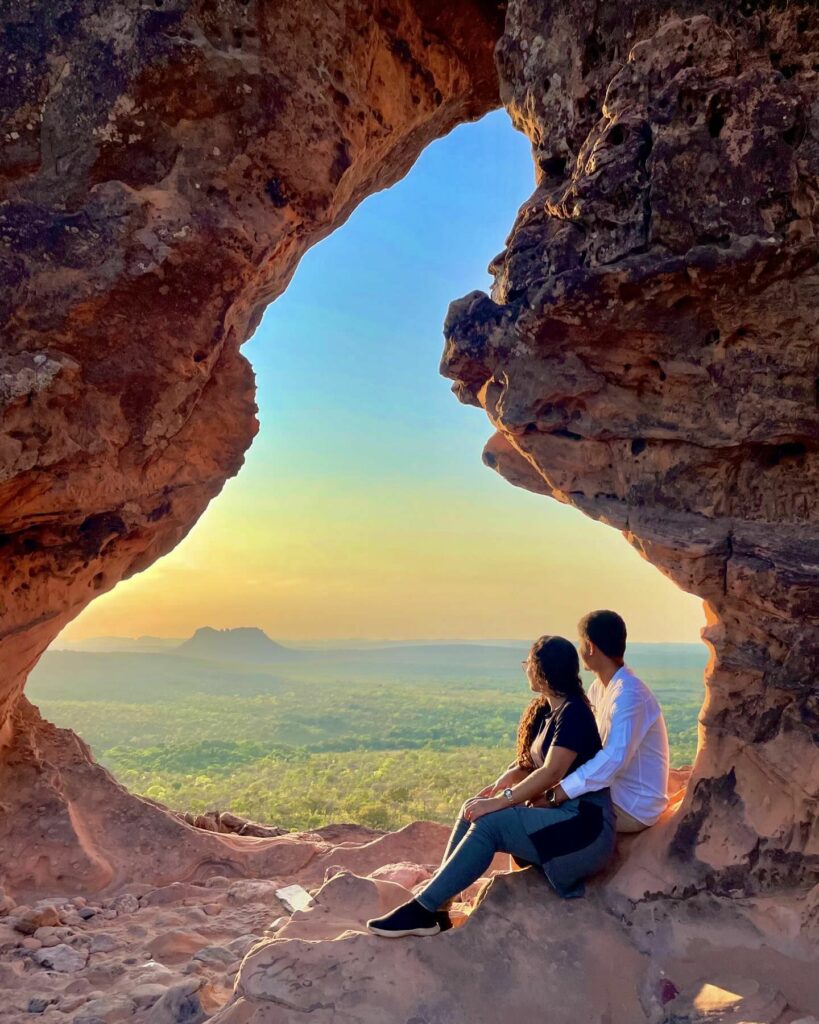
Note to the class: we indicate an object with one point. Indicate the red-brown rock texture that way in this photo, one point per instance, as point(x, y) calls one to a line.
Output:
point(649, 355)
point(164, 166)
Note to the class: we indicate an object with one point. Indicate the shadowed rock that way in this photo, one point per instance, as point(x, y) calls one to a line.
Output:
point(164, 167)
point(649, 355)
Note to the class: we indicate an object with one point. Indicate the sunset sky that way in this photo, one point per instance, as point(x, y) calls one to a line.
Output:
point(363, 508)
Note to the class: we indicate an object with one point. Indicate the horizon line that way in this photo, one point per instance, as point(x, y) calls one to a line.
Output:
point(344, 639)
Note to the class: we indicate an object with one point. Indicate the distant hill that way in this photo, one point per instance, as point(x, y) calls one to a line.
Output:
point(246, 643)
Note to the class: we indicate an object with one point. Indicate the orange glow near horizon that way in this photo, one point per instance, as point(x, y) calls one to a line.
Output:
point(363, 509)
point(393, 565)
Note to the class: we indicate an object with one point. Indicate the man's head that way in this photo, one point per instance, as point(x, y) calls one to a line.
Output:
point(602, 640)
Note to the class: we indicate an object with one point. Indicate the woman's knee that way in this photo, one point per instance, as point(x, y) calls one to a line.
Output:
point(462, 812)
point(490, 825)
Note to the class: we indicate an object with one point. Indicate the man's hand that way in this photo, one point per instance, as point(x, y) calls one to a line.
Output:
point(478, 806)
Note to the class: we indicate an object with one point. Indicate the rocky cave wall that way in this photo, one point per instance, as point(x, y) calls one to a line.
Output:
point(163, 168)
point(649, 353)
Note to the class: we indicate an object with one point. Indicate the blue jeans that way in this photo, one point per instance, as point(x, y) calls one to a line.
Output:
point(569, 842)
point(470, 850)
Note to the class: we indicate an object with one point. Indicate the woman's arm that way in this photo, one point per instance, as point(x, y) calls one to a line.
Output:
point(557, 763)
point(510, 777)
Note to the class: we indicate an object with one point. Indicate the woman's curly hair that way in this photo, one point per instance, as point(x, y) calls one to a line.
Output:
point(554, 662)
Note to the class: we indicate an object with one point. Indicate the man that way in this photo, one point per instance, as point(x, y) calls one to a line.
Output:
point(634, 760)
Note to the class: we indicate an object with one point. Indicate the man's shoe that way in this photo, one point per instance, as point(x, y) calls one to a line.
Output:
point(408, 919)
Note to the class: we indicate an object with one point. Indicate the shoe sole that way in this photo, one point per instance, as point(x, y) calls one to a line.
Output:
point(392, 933)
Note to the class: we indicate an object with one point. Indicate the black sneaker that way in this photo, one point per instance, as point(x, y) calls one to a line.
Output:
point(408, 919)
point(444, 920)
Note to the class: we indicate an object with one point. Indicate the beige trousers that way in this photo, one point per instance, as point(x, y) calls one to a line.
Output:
point(627, 823)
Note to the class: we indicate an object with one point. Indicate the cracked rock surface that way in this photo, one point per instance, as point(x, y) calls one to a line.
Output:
point(649, 354)
point(164, 166)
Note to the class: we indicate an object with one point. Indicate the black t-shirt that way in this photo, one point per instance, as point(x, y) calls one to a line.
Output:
point(571, 726)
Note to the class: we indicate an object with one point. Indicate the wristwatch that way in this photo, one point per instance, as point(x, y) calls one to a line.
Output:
point(508, 794)
point(550, 797)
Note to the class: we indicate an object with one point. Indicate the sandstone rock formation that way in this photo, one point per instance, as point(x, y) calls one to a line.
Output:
point(229, 950)
point(648, 355)
point(164, 167)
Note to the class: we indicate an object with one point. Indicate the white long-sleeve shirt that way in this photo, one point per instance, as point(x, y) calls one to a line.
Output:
point(634, 758)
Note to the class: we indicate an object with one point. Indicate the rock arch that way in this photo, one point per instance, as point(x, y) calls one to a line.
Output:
point(649, 353)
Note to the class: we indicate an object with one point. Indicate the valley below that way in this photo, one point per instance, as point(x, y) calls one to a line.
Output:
point(382, 736)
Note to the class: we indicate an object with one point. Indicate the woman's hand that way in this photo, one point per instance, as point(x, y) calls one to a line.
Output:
point(478, 806)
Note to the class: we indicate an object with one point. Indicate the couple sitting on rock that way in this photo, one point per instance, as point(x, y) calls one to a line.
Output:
point(586, 768)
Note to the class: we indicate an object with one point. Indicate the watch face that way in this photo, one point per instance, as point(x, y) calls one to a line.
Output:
point(507, 793)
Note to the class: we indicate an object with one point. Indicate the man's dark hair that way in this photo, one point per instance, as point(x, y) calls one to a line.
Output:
point(607, 632)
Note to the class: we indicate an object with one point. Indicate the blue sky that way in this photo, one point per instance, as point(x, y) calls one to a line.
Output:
point(363, 509)
point(358, 334)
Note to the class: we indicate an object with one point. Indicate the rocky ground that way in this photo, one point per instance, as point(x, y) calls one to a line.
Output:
point(233, 950)
point(170, 954)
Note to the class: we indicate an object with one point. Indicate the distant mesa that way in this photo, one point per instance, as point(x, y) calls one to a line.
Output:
point(246, 643)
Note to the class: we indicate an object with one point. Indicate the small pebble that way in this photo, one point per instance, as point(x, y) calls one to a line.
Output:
point(61, 958)
point(146, 995)
point(103, 943)
point(79, 986)
point(127, 903)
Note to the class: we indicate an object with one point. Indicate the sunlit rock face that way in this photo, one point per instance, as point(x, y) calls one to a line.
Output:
point(163, 168)
point(650, 354)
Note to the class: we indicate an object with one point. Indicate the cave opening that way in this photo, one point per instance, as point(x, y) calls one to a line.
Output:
point(361, 541)
point(646, 355)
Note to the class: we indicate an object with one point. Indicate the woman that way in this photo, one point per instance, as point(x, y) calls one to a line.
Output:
point(557, 733)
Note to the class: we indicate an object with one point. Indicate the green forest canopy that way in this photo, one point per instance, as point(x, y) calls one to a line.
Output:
point(377, 740)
